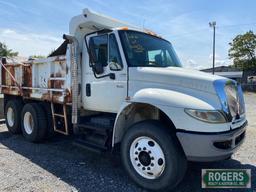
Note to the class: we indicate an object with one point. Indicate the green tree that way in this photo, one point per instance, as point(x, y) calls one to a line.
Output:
point(243, 50)
point(5, 52)
point(37, 56)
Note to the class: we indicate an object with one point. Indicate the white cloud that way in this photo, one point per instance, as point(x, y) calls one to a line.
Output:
point(9, 4)
point(219, 61)
point(29, 43)
point(216, 56)
point(190, 63)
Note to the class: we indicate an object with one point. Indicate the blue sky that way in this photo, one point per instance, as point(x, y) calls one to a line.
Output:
point(36, 27)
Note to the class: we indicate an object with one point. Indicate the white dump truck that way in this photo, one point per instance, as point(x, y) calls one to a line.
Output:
point(114, 85)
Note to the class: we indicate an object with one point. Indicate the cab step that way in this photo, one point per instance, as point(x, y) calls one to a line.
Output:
point(95, 132)
point(100, 124)
point(94, 127)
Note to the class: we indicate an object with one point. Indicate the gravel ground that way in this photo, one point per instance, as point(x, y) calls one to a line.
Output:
point(57, 165)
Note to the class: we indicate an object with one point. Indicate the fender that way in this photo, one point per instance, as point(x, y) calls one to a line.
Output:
point(168, 101)
point(117, 123)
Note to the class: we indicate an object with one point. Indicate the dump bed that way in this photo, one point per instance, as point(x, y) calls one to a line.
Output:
point(46, 79)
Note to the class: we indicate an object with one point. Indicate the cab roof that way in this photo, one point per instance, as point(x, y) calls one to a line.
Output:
point(89, 21)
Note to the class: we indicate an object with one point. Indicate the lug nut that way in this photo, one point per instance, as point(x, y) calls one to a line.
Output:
point(149, 152)
point(144, 148)
point(152, 158)
point(136, 159)
point(148, 168)
point(143, 168)
point(136, 153)
point(152, 164)
point(139, 149)
point(138, 165)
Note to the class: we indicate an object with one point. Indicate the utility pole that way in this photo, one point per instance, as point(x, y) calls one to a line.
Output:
point(213, 25)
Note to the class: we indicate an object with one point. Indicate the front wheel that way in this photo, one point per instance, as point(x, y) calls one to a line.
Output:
point(152, 157)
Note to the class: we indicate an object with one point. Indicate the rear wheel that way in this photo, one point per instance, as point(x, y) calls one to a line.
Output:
point(12, 115)
point(152, 157)
point(47, 110)
point(33, 122)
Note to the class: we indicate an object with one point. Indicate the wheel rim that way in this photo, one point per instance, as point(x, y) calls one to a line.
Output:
point(10, 116)
point(147, 157)
point(28, 123)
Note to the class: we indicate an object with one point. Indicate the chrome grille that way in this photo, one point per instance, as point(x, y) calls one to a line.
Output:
point(231, 97)
point(235, 98)
point(231, 93)
point(241, 100)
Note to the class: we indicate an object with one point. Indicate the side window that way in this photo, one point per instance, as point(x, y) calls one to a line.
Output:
point(115, 61)
point(98, 46)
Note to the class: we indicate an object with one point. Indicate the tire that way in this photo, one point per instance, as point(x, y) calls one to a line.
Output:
point(47, 110)
point(33, 122)
point(12, 115)
point(149, 144)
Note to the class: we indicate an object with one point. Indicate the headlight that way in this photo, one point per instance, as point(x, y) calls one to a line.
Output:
point(209, 116)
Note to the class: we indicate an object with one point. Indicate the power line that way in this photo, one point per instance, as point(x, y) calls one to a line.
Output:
point(188, 33)
point(236, 25)
point(204, 29)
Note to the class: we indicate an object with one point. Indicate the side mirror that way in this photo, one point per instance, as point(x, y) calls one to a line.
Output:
point(98, 68)
point(114, 66)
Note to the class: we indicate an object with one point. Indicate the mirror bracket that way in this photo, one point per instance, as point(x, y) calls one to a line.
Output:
point(97, 68)
point(110, 75)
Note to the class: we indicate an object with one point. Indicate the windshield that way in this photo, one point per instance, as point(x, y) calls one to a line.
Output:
point(144, 50)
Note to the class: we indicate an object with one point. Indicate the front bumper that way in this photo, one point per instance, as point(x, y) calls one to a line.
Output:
point(211, 146)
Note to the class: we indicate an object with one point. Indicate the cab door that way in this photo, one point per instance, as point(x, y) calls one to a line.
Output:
point(106, 91)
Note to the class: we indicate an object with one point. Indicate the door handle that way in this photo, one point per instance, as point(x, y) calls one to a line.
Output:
point(88, 89)
point(119, 86)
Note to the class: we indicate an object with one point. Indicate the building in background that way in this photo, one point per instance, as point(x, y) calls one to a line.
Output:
point(247, 77)
point(227, 71)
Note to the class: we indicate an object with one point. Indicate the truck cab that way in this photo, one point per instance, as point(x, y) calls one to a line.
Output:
point(114, 55)
point(129, 89)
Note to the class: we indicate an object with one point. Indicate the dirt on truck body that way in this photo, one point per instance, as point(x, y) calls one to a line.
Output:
point(44, 79)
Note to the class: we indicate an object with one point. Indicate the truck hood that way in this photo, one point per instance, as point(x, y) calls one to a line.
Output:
point(175, 76)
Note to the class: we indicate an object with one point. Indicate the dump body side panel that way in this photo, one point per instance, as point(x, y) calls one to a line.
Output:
point(44, 79)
